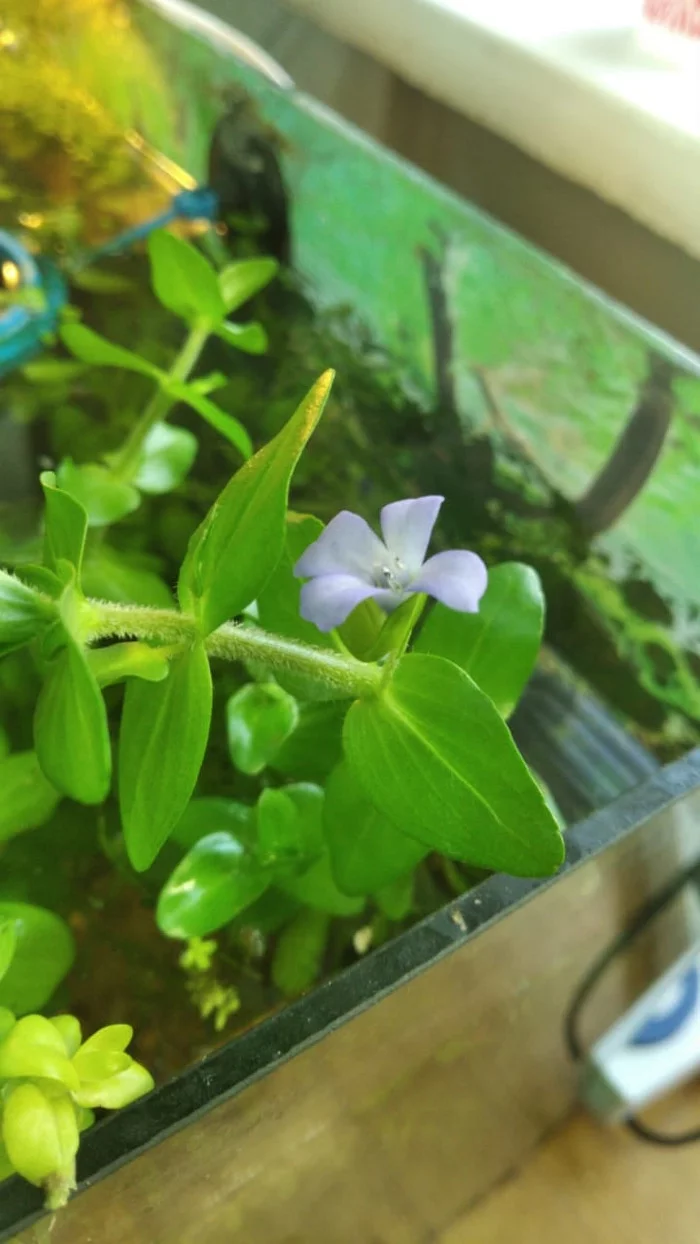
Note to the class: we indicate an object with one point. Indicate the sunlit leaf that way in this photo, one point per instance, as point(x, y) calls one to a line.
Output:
point(235, 550)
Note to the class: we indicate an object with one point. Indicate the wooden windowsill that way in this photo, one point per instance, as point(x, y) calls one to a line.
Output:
point(571, 84)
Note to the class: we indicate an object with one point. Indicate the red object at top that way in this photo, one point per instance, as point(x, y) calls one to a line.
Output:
point(683, 16)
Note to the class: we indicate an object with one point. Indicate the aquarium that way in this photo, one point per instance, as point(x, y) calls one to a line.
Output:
point(199, 244)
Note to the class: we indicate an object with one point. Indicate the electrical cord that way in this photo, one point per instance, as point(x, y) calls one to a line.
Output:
point(645, 915)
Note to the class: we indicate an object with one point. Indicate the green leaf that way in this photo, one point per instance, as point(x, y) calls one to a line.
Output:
point(162, 741)
point(212, 815)
point(110, 575)
point(71, 734)
point(46, 371)
point(240, 280)
point(435, 757)
point(101, 281)
point(235, 550)
point(28, 798)
point(127, 660)
point(367, 851)
point(250, 338)
point(315, 886)
point(183, 280)
point(43, 955)
point(8, 946)
point(41, 579)
point(259, 717)
point(299, 952)
point(216, 880)
point(90, 347)
point(103, 498)
point(278, 602)
point(395, 901)
point(498, 646)
point(226, 425)
point(23, 614)
point(282, 844)
point(65, 526)
point(315, 747)
point(166, 456)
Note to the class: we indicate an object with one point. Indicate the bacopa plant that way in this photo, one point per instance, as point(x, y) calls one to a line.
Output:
point(368, 731)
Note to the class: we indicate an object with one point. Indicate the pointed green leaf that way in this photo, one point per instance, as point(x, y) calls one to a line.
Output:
point(28, 799)
point(215, 881)
point(259, 717)
point(367, 851)
point(183, 280)
point(433, 755)
point(250, 338)
point(240, 280)
point(71, 734)
point(499, 645)
point(90, 347)
point(226, 425)
point(44, 952)
point(65, 526)
point(162, 741)
point(104, 499)
point(235, 550)
point(23, 614)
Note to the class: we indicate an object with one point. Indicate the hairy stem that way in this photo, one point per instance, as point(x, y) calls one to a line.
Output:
point(160, 404)
point(328, 670)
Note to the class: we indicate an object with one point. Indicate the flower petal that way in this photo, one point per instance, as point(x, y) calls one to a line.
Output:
point(456, 578)
point(329, 599)
point(348, 546)
point(407, 527)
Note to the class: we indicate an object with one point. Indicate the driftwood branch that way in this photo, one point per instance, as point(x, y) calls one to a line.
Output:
point(634, 456)
point(441, 325)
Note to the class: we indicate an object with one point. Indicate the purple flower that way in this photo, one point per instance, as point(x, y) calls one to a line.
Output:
point(349, 563)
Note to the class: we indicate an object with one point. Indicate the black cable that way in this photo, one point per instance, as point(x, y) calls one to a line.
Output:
point(575, 1046)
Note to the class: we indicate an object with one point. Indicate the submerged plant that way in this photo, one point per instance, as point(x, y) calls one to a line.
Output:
point(366, 728)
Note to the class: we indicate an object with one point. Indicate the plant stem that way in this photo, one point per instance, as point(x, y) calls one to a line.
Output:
point(161, 403)
point(342, 676)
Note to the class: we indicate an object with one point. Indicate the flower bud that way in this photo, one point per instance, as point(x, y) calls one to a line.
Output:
point(41, 1138)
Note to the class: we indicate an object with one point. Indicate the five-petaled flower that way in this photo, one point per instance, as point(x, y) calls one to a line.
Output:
point(349, 563)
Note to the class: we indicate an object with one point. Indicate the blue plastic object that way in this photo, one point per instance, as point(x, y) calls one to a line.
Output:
point(24, 325)
point(202, 203)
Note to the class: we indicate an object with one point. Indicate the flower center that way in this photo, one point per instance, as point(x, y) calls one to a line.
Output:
point(391, 574)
